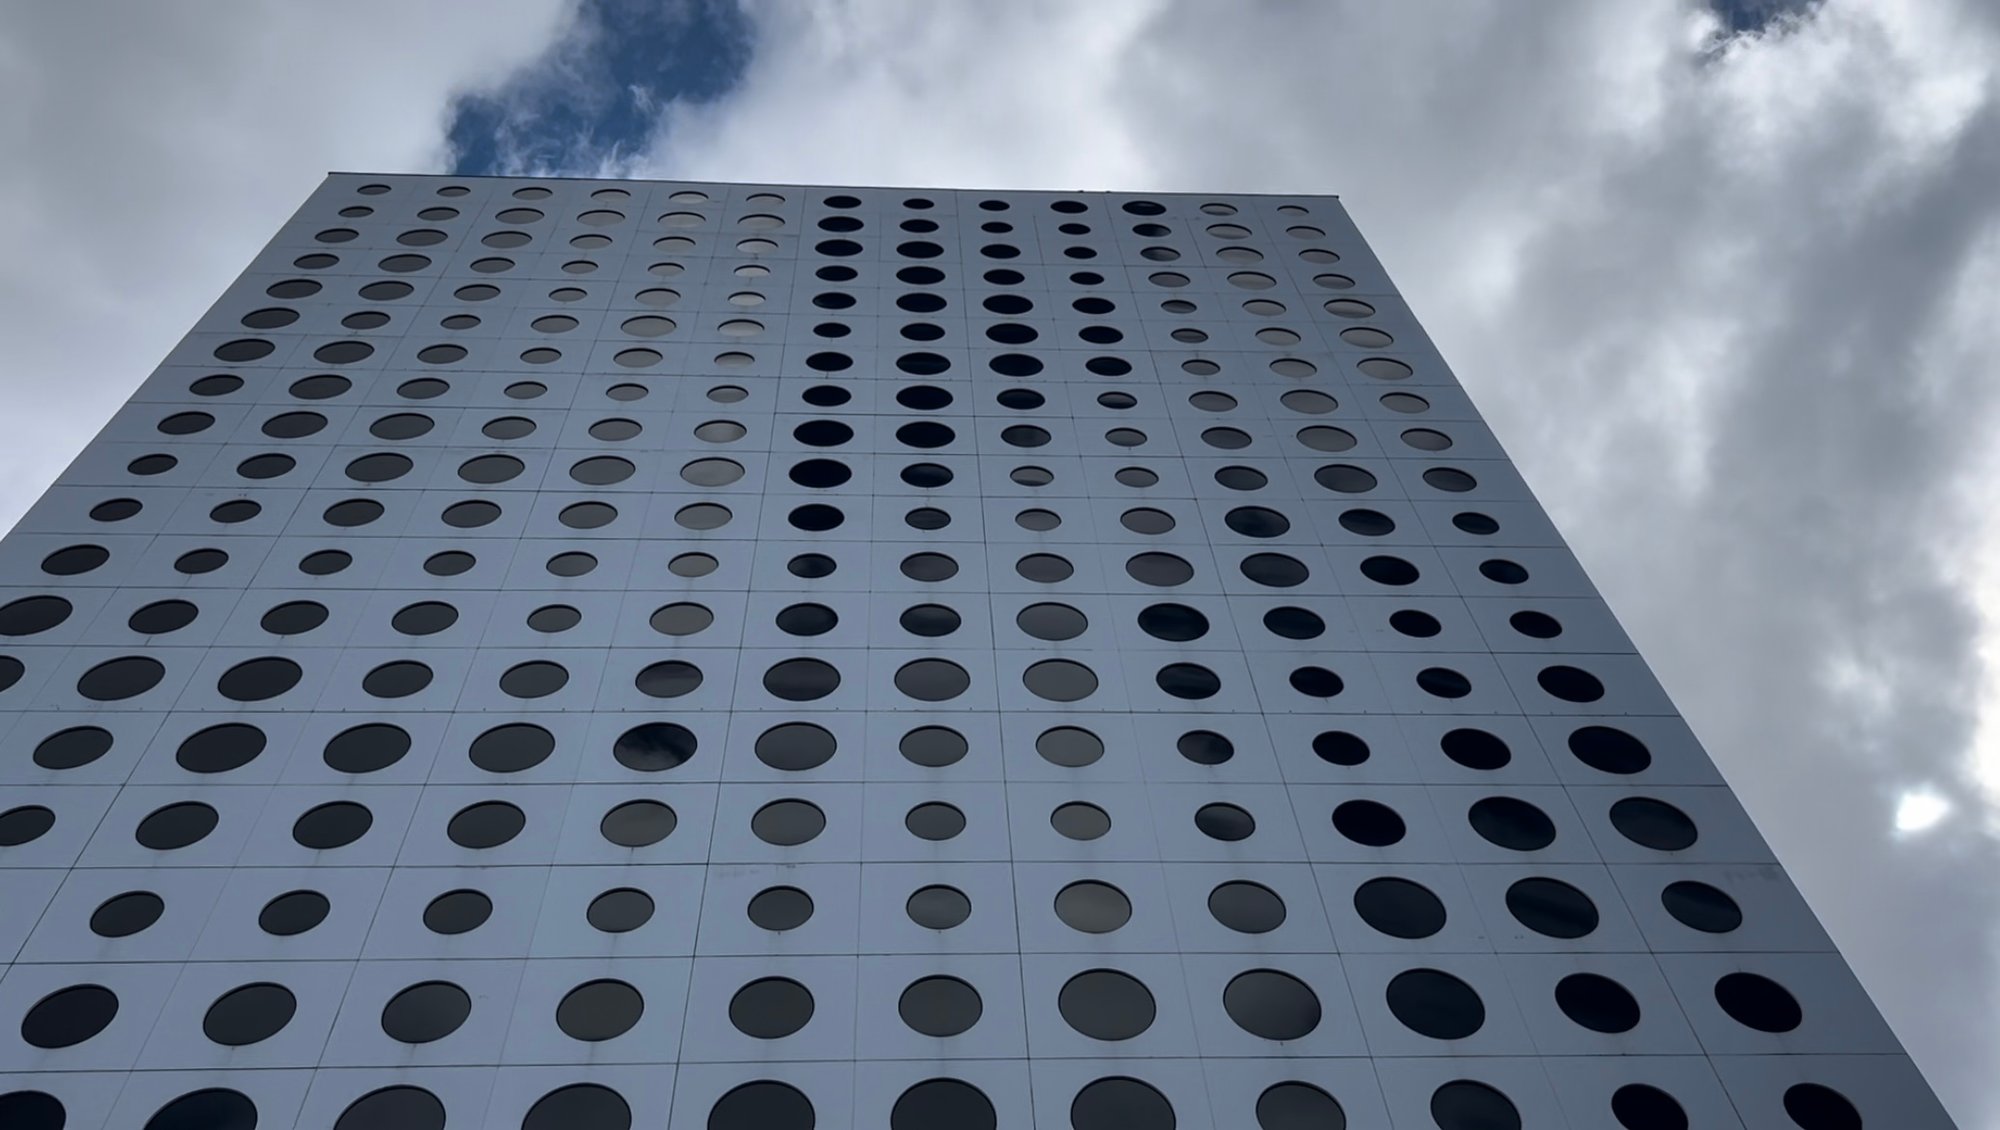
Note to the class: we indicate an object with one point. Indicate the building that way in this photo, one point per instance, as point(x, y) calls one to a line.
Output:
point(583, 654)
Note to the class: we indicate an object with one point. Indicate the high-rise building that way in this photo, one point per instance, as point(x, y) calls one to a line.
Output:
point(578, 655)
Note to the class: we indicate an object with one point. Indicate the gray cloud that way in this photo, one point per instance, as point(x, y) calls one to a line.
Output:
point(1727, 299)
point(152, 148)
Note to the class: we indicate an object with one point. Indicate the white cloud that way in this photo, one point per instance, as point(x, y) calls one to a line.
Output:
point(1728, 302)
point(152, 148)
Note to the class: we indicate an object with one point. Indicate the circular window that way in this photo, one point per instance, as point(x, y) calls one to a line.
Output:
point(1758, 1002)
point(125, 915)
point(637, 824)
point(1465, 1105)
point(1106, 1004)
point(487, 824)
point(457, 912)
point(788, 823)
point(511, 748)
point(1093, 907)
point(939, 1006)
point(293, 913)
point(764, 1105)
point(802, 680)
point(402, 1107)
point(619, 911)
point(599, 1010)
point(1434, 1003)
point(1399, 908)
point(1701, 907)
point(771, 1008)
point(1274, 1005)
point(1246, 907)
point(69, 1016)
point(1653, 824)
point(938, 907)
point(249, 1014)
point(426, 1012)
point(1552, 908)
point(1060, 680)
point(333, 825)
point(1368, 822)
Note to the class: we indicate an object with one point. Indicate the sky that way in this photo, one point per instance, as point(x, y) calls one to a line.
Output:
point(1721, 276)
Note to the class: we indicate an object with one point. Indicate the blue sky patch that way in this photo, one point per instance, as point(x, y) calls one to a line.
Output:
point(596, 96)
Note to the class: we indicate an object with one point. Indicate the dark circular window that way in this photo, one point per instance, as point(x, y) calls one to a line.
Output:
point(1535, 625)
point(788, 823)
point(1078, 820)
point(1317, 682)
point(1093, 907)
point(933, 746)
point(1225, 822)
point(1420, 625)
point(511, 748)
point(801, 680)
point(1475, 749)
point(1817, 1107)
point(1069, 746)
point(125, 915)
point(654, 747)
point(1609, 750)
point(25, 824)
point(257, 680)
point(398, 679)
point(1275, 570)
point(780, 908)
point(1758, 1002)
point(457, 912)
point(333, 825)
point(1399, 908)
point(1701, 907)
point(1205, 747)
point(763, 1105)
point(1338, 747)
point(353, 512)
point(795, 746)
point(1257, 522)
point(1161, 570)
point(176, 826)
point(929, 620)
point(1571, 684)
point(1511, 823)
point(249, 1014)
point(938, 907)
point(292, 913)
point(425, 1012)
point(1552, 908)
point(1060, 680)
point(637, 824)
point(599, 1010)
point(325, 562)
point(534, 679)
point(1246, 907)
point(216, 749)
point(1597, 1003)
point(487, 824)
point(619, 911)
point(1384, 570)
point(209, 1109)
point(366, 748)
point(1465, 1105)
point(75, 560)
point(771, 1008)
point(1434, 1003)
point(932, 680)
point(1298, 1106)
point(671, 679)
point(68, 1017)
point(1274, 1005)
point(75, 747)
point(939, 1006)
point(1637, 1106)
point(1120, 1103)
point(1653, 824)
point(1106, 1004)
point(1368, 822)
point(1044, 568)
point(393, 1108)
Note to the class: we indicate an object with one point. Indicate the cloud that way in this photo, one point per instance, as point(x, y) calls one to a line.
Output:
point(1723, 284)
point(152, 148)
